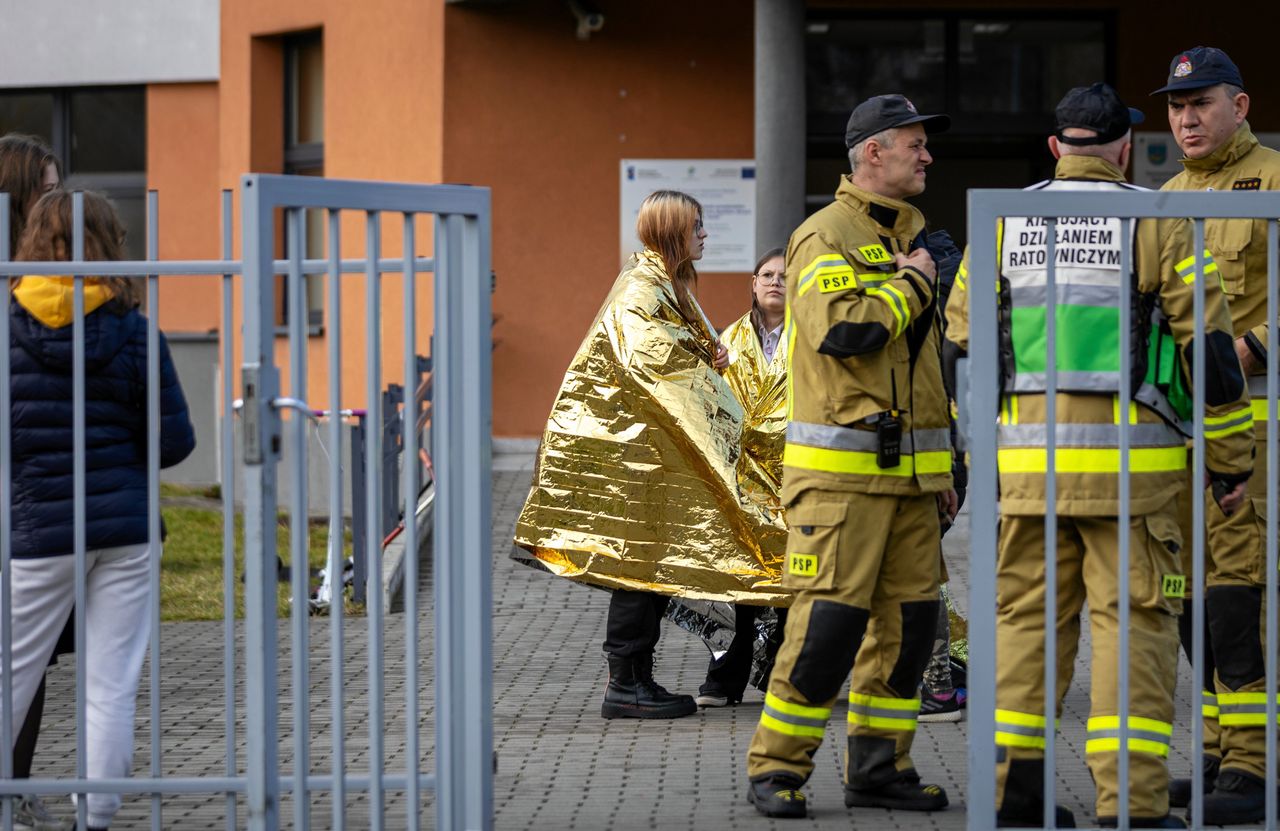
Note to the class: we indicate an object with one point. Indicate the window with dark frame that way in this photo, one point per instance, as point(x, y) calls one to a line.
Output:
point(99, 134)
point(304, 156)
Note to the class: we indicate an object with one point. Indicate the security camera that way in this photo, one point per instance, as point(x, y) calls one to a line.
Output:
point(590, 19)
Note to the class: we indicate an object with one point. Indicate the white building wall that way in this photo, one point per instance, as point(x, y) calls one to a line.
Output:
point(53, 43)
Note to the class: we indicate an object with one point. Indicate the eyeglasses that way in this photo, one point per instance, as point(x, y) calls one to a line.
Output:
point(772, 277)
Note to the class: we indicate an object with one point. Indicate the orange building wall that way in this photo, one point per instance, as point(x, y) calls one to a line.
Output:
point(383, 113)
point(544, 119)
point(182, 154)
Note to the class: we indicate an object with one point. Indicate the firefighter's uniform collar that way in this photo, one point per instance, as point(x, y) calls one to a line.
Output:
point(1232, 150)
point(1090, 168)
point(894, 217)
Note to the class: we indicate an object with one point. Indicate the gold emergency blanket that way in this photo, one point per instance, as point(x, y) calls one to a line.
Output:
point(761, 386)
point(637, 481)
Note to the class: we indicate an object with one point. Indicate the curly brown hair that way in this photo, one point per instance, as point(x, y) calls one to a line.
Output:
point(48, 238)
point(23, 160)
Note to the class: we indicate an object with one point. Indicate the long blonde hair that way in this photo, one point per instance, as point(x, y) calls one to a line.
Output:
point(665, 225)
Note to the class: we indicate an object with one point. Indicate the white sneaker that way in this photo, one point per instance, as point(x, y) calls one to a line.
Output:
point(30, 814)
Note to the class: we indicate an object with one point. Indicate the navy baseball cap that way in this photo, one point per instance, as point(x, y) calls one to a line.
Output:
point(884, 112)
point(1096, 107)
point(1203, 66)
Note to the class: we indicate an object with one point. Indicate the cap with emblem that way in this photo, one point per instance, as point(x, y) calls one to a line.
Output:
point(1201, 67)
point(884, 112)
point(1096, 107)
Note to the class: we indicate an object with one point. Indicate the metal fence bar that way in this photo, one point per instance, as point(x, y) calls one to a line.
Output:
point(299, 562)
point(409, 464)
point(175, 785)
point(188, 268)
point(228, 512)
point(984, 388)
point(373, 495)
point(337, 597)
point(1198, 529)
point(78, 489)
point(6, 532)
point(154, 542)
point(261, 452)
point(1050, 526)
point(1272, 483)
point(463, 680)
point(1122, 589)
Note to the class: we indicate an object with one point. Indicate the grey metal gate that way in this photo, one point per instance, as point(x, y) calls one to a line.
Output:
point(979, 424)
point(461, 672)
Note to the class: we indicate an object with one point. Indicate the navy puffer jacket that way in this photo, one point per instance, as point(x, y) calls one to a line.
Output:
point(115, 434)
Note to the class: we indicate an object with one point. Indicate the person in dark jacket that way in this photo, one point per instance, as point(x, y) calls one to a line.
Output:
point(29, 169)
point(118, 549)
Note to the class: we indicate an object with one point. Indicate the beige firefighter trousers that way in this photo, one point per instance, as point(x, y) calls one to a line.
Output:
point(1088, 562)
point(858, 564)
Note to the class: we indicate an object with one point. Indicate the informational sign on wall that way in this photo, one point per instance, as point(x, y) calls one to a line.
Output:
point(1156, 154)
point(725, 187)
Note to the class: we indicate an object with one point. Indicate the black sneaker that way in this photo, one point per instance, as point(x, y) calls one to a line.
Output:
point(902, 794)
point(1166, 821)
point(714, 695)
point(1238, 798)
point(1180, 789)
point(941, 708)
point(778, 796)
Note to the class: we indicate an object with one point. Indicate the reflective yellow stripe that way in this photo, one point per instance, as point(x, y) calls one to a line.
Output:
point(1092, 460)
point(1016, 740)
point(896, 302)
point(905, 725)
point(1009, 410)
point(962, 274)
point(1240, 425)
point(823, 262)
point(771, 700)
point(1243, 709)
point(1185, 268)
point(1260, 409)
point(904, 704)
point(777, 726)
point(1020, 719)
point(1164, 728)
point(861, 462)
point(1113, 746)
point(1115, 410)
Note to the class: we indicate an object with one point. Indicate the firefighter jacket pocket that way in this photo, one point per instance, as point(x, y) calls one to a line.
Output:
point(1228, 239)
point(813, 544)
point(1156, 580)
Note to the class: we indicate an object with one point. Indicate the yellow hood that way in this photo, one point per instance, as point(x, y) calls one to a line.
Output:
point(49, 299)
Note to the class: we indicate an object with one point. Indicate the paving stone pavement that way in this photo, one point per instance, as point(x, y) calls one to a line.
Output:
point(560, 765)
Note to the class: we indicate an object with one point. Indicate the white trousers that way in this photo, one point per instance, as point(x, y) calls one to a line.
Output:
point(117, 598)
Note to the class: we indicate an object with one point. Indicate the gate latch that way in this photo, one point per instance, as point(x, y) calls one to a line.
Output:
point(250, 415)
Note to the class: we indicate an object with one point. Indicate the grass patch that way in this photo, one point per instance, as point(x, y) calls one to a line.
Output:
point(191, 572)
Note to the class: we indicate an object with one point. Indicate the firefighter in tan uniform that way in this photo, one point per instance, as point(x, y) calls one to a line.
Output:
point(1092, 145)
point(866, 474)
point(1207, 109)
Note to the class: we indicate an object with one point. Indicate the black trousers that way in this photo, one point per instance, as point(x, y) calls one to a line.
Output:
point(633, 626)
point(730, 672)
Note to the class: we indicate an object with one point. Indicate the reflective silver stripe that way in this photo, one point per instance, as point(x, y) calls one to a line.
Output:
point(1019, 729)
point(832, 437)
point(1093, 382)
point(882, 712)
point(1244, 417)
point(1068, 294)
point(799, 721)
point(1144, 735)
point(1088, 435)
point(1232, 709)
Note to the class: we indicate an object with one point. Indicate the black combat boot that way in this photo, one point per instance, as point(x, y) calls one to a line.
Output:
point(1180, 789)
point(1238, 798)
point(1023, 804)
point(778, 795)
point(633, 694)
point(874, 782)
